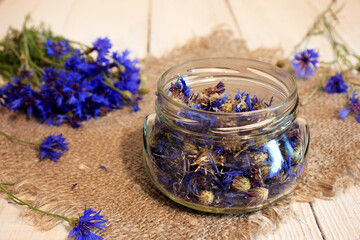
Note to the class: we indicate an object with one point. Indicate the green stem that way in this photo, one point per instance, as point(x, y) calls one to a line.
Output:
point(126, 94)
point(17, 139)
point(79, 43)
point(306, 100)
point(22, 203)
point(47, 60)
point(313, 30)
point(7, 184)
point(353, 83)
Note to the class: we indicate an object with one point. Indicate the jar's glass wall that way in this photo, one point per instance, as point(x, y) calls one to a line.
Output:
point(226, 162)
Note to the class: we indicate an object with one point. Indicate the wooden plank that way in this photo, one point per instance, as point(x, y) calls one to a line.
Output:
point(12, 13)
point(348, 28)
point(52, 12)
point(124, 22)
point(175, 22)
point(15, 228)
point(299, 227)
point(340, 218)
point(277, 23)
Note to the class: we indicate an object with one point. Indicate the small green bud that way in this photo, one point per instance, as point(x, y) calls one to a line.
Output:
point(73, 221)
point(304, 101)
point(241, 184)
point(126, 94)
point(143, 79)
point(281, 63)
point(143, 90)
point(206, 197)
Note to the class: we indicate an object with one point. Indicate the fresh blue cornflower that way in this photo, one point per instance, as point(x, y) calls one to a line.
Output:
point(336, 84)
point(57, 49)
point(53, 147)
point(76, 92)
point(102, 46)
point(304, 63)
point(135, 103)
point(354, 107)
point(85, 224)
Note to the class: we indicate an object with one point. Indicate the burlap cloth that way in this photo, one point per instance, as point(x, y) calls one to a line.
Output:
point(134, 207)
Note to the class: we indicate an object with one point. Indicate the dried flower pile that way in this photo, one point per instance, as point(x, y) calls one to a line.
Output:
point(216, 171)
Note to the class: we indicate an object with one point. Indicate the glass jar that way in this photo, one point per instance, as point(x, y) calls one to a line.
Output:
point(226, 162)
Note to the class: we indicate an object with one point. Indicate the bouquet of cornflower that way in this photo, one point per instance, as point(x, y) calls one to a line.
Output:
point(57, 80)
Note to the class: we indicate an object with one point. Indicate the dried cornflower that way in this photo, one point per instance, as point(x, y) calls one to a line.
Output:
point(219, 173)
point(206, 197)
point(258, 195)
point(241, 184)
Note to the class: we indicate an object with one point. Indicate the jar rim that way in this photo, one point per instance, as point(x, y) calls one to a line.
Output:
point(282, 104)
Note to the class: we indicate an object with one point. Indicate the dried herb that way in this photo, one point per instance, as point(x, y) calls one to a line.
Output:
point(218, 171)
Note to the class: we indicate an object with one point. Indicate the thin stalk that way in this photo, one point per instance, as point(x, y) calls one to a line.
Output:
point(17, 139)
point(126, 94)
point(22, 203)
point(313, 30)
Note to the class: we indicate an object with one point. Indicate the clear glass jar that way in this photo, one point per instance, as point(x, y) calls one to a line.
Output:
point(226, 162)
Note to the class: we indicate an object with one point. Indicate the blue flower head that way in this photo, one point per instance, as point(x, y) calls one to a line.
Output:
point(57, 49)
point(336, 84)
point(354, 107)
point(102, 46)
point(91, 220)
point(305, 62)
point(52, 143)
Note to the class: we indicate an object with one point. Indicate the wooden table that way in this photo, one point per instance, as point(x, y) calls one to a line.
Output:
point(156, 26)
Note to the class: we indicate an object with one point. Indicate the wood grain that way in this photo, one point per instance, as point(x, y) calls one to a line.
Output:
point(340, 218)
point(13, 227)
point(300, 224)
point(156, 26)
point(124, 22)
point(175, 22)
point(277, 23)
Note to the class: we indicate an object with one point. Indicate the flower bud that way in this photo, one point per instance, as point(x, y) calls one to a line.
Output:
point(264, 169)
point(281, 63)
point(241, 184)
point(261, 157)
point(258, 195)
point(206, 197)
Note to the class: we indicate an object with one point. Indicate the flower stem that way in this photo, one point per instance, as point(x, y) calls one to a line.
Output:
point(22, 203)
point(314, 29)
point(305, 101)
point(126, 94)
point(17, 139)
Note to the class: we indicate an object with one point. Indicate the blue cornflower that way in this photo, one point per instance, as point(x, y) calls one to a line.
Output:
point(91, 220)
point(305, 62)
point(52, 143)
point(135, 103)
point(129, 78)
point(102, 46)
point(57, 49)
point(354, 107)
point(336, 84)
